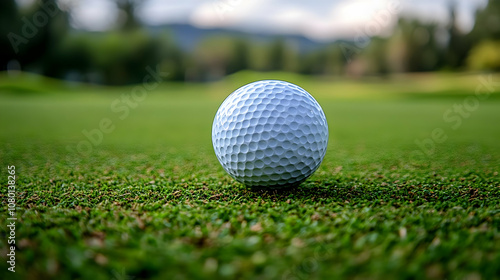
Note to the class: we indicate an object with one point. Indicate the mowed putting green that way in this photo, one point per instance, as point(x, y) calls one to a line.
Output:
point(115, 186)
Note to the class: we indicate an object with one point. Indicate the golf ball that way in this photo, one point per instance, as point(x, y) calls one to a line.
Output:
point(270, 134)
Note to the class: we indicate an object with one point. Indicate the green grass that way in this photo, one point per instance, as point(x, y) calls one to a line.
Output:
point(151, 200)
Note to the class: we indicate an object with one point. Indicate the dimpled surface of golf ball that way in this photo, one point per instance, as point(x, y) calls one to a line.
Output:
point(270, 134)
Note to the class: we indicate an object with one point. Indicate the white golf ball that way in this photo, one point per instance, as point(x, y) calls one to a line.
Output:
point(270, 134)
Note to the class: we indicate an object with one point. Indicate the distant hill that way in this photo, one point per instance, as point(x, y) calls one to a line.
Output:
point(188, 36)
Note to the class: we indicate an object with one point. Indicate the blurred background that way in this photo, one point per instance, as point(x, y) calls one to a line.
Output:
point(112, 41)
point(117, 174)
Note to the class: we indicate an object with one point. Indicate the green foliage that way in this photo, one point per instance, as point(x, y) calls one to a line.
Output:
point(459, 43)
point(485, 56)
point(9, 18)
point(487, 26)
point(412, 48)
point(276, 58)
point(377, 55)
point(218, 56)
point(152, 202)
point(119, 56)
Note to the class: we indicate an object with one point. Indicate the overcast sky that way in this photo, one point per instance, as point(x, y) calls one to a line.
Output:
point(316, 19)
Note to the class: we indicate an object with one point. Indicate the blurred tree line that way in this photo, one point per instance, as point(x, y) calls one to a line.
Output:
point(39, 38)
